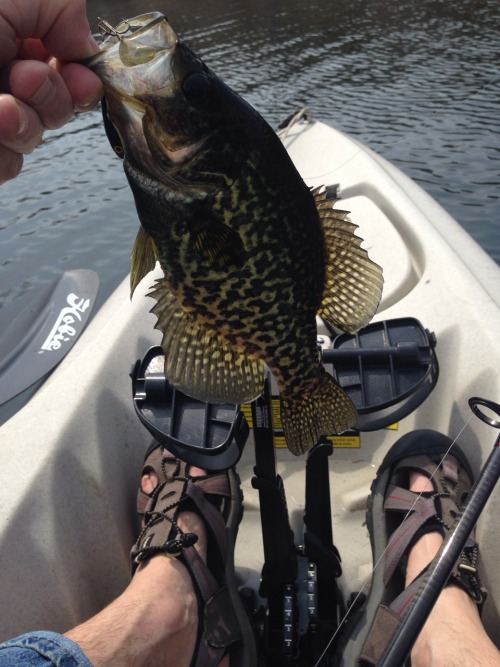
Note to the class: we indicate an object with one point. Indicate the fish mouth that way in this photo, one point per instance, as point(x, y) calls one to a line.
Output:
point(135, 57)
point(144, 68)
point(140, 63)
point(137, 40)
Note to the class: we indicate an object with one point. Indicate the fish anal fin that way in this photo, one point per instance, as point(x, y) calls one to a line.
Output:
point(353, 282)
point(219, 245)
point(144, 256)
point(324, 410)
point(198, 361)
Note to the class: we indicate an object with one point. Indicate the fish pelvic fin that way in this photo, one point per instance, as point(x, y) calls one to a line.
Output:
point(219, 246)
point(324, 410)
point(353, 282)
point(144, 256)
point(198, 361)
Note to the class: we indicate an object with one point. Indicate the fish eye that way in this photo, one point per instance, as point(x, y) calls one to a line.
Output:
point(197, 88)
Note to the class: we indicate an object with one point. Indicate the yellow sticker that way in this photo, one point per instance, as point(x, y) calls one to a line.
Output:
point(246, 408)
point(276, 413)
point(348, 440)
point(280, 442)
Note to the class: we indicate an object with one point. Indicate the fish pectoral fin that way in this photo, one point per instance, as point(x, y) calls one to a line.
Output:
point(325, 409)
point(353, 285)
point(219, 245)
point(144, 256)
point(198, 361)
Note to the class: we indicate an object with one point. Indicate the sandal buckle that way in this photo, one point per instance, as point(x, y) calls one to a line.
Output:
point(174, 547)
point(469, 569)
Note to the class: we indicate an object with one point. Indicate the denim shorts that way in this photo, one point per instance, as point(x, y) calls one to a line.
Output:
point(42, 649)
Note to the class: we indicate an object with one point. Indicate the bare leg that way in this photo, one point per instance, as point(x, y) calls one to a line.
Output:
point(453, 635)
point(155, 620)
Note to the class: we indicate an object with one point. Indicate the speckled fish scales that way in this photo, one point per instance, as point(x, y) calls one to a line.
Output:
point(249, 254)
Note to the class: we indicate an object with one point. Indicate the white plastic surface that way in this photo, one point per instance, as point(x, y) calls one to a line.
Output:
point(71, 457)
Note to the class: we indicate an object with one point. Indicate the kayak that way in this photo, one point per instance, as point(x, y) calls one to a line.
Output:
point(71, 456)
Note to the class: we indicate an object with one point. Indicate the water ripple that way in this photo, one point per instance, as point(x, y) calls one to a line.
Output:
point(417, 80)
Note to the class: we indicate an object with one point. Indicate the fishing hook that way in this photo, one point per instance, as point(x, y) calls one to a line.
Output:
point(107, 30)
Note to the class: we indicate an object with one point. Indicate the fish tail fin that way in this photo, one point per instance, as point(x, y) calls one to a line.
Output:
point(325, 409)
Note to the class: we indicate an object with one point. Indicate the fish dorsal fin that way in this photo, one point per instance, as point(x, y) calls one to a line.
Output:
point(218, 244)
point(353, 284)
point(198, 361)
point(144, 256)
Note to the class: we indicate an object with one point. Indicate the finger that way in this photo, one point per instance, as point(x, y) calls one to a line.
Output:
point(61, 25)
point(20, 127)
point(32, 49)
point(84, 86)
point(11, 164)
point(68, 36)
point(42, 88)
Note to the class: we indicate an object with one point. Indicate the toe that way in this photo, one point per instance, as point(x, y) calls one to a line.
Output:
point(149, 481)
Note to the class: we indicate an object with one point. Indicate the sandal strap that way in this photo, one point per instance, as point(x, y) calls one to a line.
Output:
point(435, 510)
point(218, 485)
point(466, 575)
point(388, 617)
point(419, 510)
point(176, 490)
point(161, 534)
point(383, 628)
point(218, 629)
point(423, 512)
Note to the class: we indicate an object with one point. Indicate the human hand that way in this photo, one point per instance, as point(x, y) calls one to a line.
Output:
point(40, 84)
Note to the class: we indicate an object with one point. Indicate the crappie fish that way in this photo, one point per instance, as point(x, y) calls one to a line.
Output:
point(249, 254)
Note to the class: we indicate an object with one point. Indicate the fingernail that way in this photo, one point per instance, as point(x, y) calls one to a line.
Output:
point(11, 166)
point(89, 104)
point(93, 45)
point(23, 122)
point(85, 107)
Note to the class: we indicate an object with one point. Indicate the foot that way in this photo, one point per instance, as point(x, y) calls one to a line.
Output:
point(189, 522)
point(180, 606)
point(155, 621)
point(406, 531)
point(442, 640)
point(193, 517)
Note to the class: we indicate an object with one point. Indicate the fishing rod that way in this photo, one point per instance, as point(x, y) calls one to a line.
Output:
point(412, 623)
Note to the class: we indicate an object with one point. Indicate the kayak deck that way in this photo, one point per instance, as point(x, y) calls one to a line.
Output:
point(71, 458)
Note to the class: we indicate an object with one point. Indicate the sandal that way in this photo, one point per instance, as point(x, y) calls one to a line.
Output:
point(370, 630)
point(224, 624)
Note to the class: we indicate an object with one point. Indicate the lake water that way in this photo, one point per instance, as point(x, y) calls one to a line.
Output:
point(416, 80)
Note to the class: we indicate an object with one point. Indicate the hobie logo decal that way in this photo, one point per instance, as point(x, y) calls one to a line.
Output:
point(63, 329)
